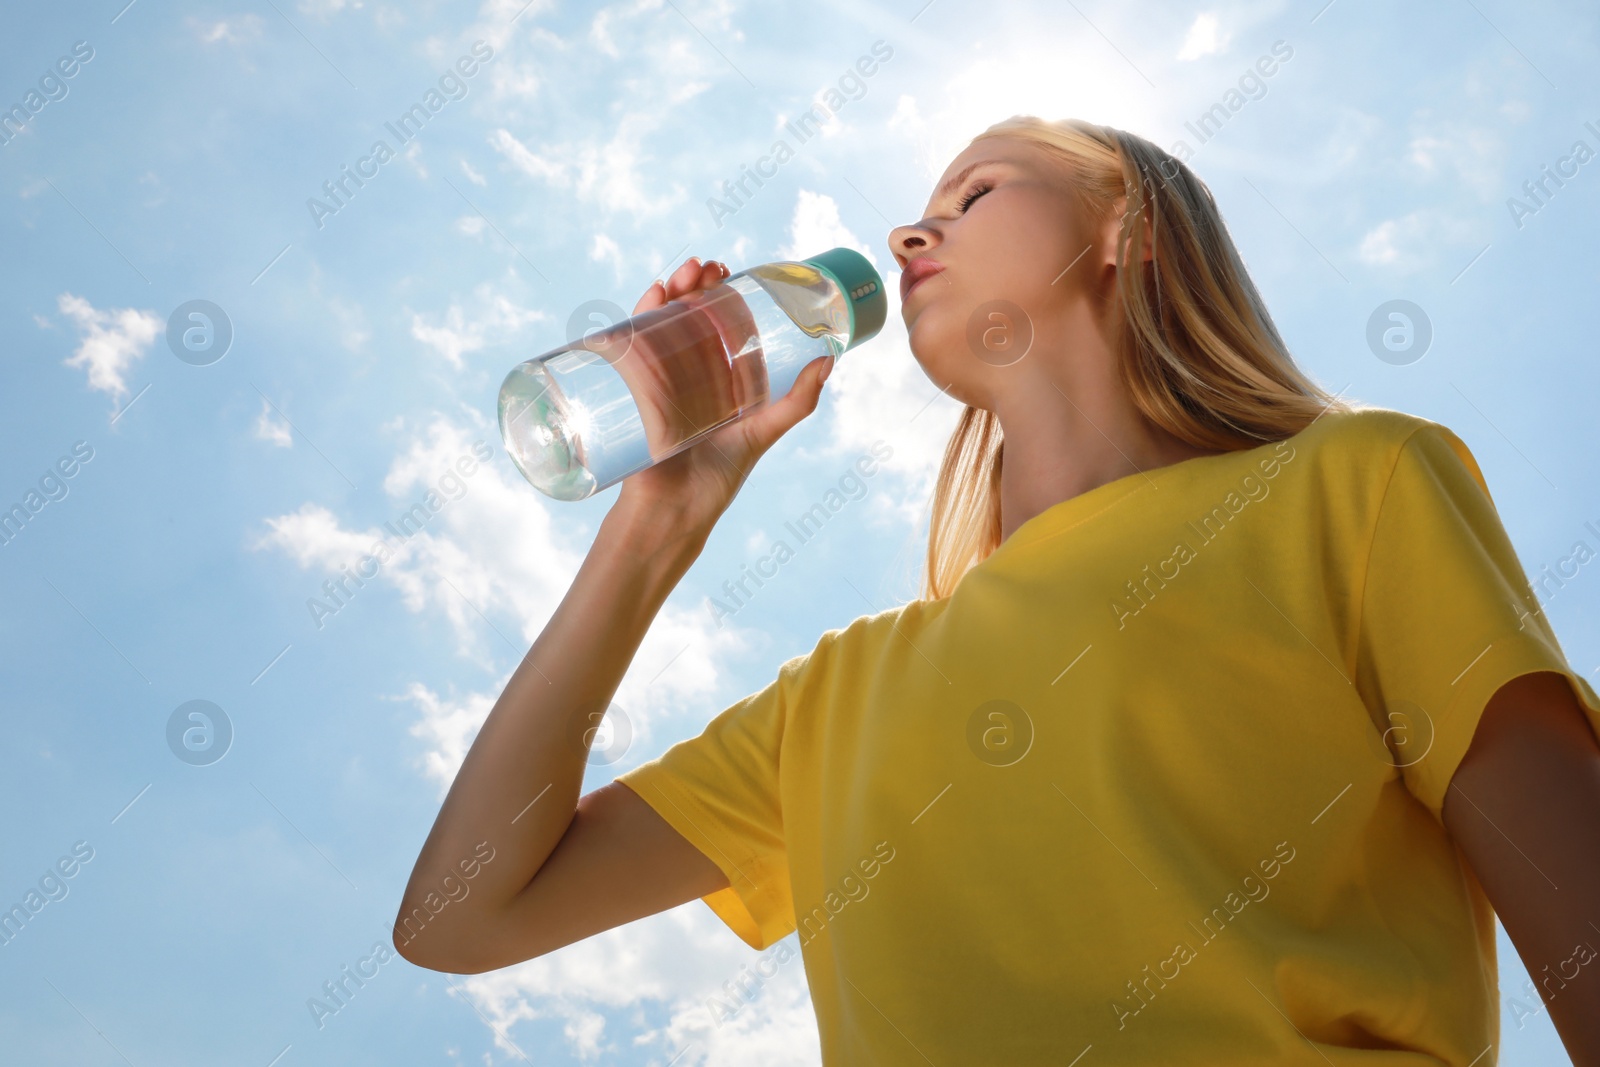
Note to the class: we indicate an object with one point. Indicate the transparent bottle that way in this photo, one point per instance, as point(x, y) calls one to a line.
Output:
point(583, 417)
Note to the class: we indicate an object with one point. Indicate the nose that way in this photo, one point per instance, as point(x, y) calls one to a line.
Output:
point(908, 241)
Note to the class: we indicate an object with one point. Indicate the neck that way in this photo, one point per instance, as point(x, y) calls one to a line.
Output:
point(1066, 434)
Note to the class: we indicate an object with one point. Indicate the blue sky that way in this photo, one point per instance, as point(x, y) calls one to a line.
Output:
point(211, 497)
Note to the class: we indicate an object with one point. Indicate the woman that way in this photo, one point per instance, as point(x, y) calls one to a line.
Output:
point(1156, 770)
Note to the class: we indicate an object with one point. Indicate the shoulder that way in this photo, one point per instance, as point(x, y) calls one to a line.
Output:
point(867, 631)
point(1361, 459)
point(862, 640)
point(1374, 430)
point(1369, 442)
point(1381, 461)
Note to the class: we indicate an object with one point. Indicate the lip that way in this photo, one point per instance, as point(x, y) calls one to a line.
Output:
point(917, 271)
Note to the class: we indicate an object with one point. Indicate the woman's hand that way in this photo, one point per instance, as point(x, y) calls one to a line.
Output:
point(686, 494)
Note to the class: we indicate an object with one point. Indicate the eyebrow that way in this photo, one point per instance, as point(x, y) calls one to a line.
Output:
point(950, 186)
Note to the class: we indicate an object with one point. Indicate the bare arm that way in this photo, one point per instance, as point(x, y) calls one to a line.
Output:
point(1524, 806)
point(564, 868)
point(518, 787)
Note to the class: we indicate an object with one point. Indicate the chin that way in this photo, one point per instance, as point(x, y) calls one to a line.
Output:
point(938, 370)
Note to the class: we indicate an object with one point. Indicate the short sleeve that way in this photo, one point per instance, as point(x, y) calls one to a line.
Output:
point(1447, 614)
point(720, 790)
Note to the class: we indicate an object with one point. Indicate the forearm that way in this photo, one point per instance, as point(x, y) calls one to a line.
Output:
point(1560, 942)
point(1553, 923)
point(1524, 805)
point(519, 784)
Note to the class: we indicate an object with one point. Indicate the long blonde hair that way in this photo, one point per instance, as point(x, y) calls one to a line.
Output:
point(1200, 355)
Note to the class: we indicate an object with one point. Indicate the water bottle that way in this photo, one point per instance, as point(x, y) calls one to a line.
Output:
point(584, 416)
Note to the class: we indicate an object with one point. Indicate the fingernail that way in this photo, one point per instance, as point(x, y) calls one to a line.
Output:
point(827, 369)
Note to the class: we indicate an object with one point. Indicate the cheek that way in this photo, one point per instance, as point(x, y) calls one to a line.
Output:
point(939, 342)
point(1024, 263)
point(1058, 255)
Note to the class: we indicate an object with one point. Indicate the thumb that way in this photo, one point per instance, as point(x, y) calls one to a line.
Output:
point(801, 400)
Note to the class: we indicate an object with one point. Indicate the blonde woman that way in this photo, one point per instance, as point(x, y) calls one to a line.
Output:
point(1225, 725)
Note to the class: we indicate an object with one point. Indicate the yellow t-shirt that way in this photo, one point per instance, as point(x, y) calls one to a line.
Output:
point(1160, 781)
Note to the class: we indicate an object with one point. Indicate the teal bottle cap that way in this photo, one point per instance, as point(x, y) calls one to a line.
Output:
point(854, 273)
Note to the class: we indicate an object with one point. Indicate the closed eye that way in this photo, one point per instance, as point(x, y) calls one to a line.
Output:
point(977, 190)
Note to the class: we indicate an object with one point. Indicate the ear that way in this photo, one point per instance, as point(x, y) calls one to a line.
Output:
point(1112, 231)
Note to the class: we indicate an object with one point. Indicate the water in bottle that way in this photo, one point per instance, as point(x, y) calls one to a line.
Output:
point(584, 416)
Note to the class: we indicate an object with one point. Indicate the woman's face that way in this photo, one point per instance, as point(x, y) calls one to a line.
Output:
point(1005, 226)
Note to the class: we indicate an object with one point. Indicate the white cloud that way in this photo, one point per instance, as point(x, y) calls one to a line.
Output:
point(615, 165)
point(353, 330)
point(471, 225)
point(413, 157)
point(604, 250)
point(1354, 144)
point(325, 9)
point(1430, 238)
point(497, 13)
point(314, 538)
point(1424, 152)
point(832, 125)
point(1468, 157)
point(153, 180)
point(611, 174)
point(225, 31)
point(1204, 37)
point(473, 176)
point(1377, 246)
point(273, 430)
point(905, 117)
point(452, 339)
point(600, 29)
point(815, 227)
point(497, 319)
point(512, 80)
point(110, 341)
point(518, 155)
point(349, 318)
point(493, 546)
point(583, 1032)
point(446, 729)
point(727, 1007)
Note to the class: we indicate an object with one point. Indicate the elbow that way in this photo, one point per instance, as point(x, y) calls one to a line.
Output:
point(439, 956)
point(424, 944)
point(448, 963)
point(409, 951)
point(448, 950)
point(413, 950)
